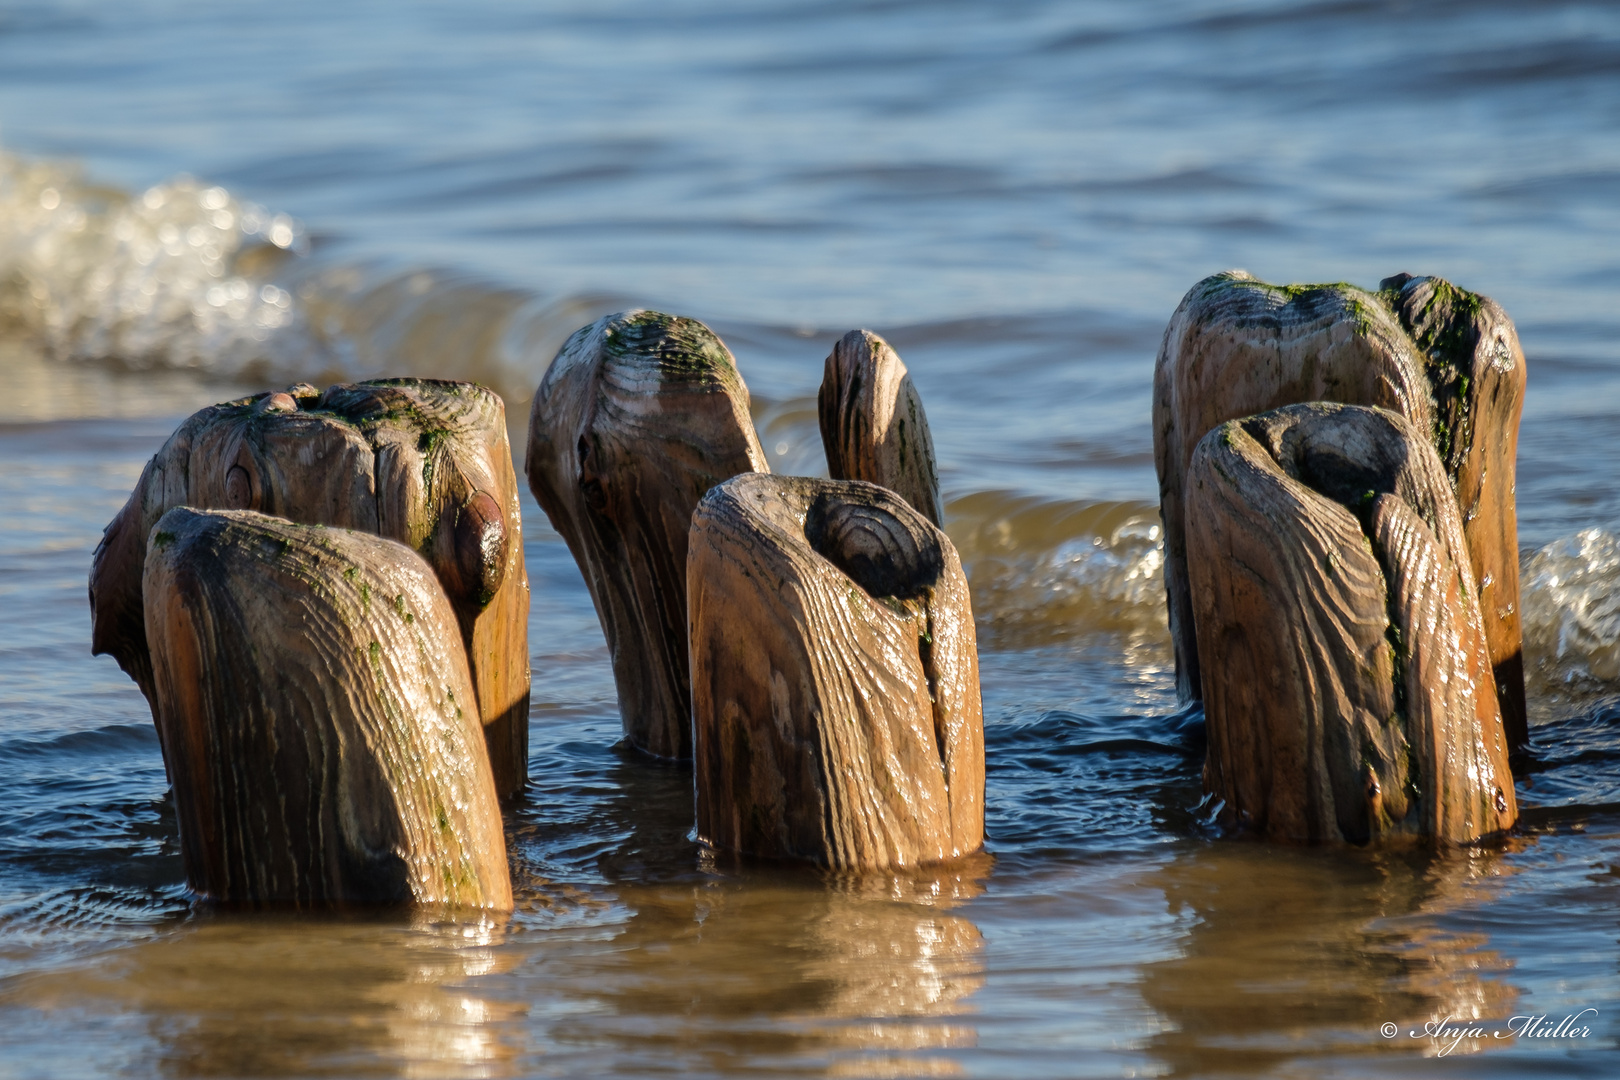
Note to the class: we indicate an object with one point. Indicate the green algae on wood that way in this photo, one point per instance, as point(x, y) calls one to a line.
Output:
point(425, 462)
point(316, 752)
point(1445, 359)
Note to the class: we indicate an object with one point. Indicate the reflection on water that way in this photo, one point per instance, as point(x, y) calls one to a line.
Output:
point(729, 972)
point(1295, 952)
point(230, 995)
point(757, 968)
point(733, 966)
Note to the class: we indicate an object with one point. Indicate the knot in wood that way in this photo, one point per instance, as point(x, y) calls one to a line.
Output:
point(879, 541)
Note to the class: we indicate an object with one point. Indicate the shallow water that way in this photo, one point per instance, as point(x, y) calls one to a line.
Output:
point(197, 199)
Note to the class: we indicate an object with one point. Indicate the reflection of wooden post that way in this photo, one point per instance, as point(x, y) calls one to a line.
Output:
point(835, 680)
point(638, 416)
point(1447, 360)
point(1334, 938)
point(873, 427)
point(1347, 683)
point(420, 461)
point(316, 713)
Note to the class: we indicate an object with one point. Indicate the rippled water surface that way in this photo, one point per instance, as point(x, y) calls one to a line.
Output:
point(198, 199)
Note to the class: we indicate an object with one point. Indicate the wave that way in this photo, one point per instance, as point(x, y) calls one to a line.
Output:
point(115, 740)
point(187, 276)
point(173, 277)
point(1044, 570)
point(1571, 609)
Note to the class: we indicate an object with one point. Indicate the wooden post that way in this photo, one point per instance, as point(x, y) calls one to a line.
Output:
point(1446, 359)
point(1476, 371)
point(835, 678)
point(317, 717)
point(1347, 682)
point(873, 427)
point(421, 461)
point(638, 416)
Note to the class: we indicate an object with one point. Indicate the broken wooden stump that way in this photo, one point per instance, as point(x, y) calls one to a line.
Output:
point(1447, 360)
point(317, 717)
point(421, 461)
point(835, 677)
point(1347, 682)
point(873, 427)
point(638, 416)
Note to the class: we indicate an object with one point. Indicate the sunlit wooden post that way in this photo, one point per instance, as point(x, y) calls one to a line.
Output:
point(318, 718)
point(638, 416)
point(873, 427)
point(1446, 359)
point(835, 681)
point(1347, 682)
point(421, 461)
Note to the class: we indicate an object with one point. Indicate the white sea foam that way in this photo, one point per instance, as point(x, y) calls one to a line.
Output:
point(1049, 570)
point(187, 276)
point(1571, 606)
point(1123, 569)
point(172, 277)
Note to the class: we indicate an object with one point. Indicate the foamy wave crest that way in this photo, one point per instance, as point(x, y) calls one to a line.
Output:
point(173, 277)
point(1044, 571)
point(187, 277)
point(1571, 605)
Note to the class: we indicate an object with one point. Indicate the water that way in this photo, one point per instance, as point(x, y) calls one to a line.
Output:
point(197, 199)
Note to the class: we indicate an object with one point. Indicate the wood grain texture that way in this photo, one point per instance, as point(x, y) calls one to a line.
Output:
point(873, 427)
point(835, 686)
point(317, 717)
point(1476, 371)
point(1445, 359)
point(425, 462)
point(1348, 688)
point(638, 416)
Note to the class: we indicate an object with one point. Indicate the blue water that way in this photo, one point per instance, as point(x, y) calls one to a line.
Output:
point(199, 198)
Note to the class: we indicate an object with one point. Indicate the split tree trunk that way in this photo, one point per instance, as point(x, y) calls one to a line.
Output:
point(835, 678)
point(638, 416)
point(1348, 686)
point(873, 427)
point(317, 717)
point(421, 461)
point(1445, 359)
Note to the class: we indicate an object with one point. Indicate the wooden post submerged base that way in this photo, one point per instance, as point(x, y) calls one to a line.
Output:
point(1347, 684)
point(835, 677)
point(638, 416)
point(873, 427)
point(421, 461)
point(1446, 359)
point(317, 718)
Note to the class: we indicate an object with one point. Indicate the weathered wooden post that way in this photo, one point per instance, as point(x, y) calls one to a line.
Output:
point(873, 427)
point(835, 678)
point(1446, 359)
point(421, 461)
point(317, 717)
point(638, 416)
point(1347, 682)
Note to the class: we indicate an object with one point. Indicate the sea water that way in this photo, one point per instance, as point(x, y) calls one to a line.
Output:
point(199, 199)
